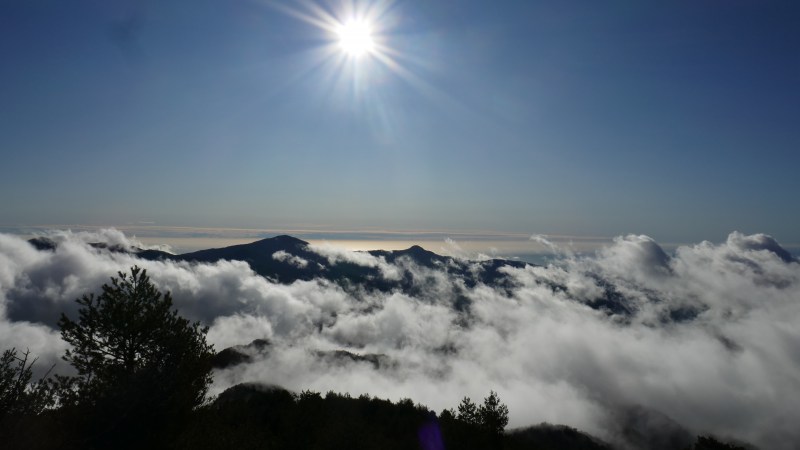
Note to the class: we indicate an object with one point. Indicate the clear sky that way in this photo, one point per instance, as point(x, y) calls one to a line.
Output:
point(676, 119)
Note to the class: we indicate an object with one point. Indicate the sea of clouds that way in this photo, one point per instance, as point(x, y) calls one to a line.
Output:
point(731, 367)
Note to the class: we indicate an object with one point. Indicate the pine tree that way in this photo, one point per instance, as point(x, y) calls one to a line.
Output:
point(468, 412)
point(140, 365)
point(493, 415)
point(19, 395)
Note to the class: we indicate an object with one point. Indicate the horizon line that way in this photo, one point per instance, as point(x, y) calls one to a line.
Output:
point(371, 233)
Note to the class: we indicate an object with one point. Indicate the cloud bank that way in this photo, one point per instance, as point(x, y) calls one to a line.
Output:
point(706, 337)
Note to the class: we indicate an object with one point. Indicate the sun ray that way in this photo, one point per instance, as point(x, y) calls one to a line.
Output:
point(362, 45)
point(316, 15)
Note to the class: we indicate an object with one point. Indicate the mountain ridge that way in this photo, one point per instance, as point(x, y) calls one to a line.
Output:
point(287, 259)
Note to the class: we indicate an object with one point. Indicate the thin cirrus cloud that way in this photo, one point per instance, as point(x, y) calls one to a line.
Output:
point(729, 369)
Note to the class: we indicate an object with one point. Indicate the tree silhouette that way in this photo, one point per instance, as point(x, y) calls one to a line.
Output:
point(19, 395)
point(140, 365)
point(468, 412)
point(493, 415)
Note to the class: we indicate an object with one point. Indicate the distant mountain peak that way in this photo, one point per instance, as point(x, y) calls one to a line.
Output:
point(43, 243)
point(284, 239)
point(420, 255)
point(416, 250)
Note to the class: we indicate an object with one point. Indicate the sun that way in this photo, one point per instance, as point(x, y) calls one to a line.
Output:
point(355, 37)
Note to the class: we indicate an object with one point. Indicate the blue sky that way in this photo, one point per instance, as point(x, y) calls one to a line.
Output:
point(674, 119)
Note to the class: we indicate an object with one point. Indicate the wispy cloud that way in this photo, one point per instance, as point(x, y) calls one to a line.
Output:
point(335, 254)
point(291, 259)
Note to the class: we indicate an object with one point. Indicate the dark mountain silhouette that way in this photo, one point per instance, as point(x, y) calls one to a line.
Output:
point(343, 357)
point(548, 436)
point(241, 354)
point(354, 278)
point(415, 252)
point(43, 243)
point(260, 256)
point(153, 255)
point(286, 259)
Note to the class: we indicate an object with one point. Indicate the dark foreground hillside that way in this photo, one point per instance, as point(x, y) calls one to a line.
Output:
point(263, 417)
point(252, 416)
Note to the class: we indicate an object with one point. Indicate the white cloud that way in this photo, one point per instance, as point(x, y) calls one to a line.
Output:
point(108, 236)
point(731, 370)
point(296, 261)
point(336, 255)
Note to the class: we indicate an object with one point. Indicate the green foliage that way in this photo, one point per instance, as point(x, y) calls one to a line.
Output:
point(140, 365)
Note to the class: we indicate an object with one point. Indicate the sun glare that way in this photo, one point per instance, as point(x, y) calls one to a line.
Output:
point(355, 38)
point(358, 43)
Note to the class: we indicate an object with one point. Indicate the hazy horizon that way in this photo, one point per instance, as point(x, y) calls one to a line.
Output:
point(528, 248)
